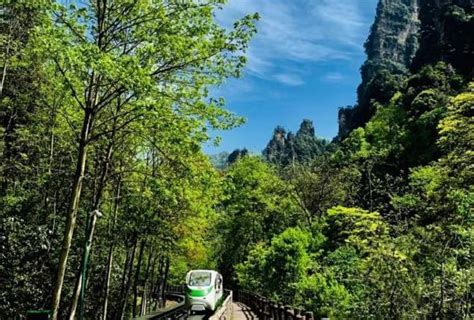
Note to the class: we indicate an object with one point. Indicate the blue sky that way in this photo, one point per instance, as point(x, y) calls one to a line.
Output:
point(303, 64)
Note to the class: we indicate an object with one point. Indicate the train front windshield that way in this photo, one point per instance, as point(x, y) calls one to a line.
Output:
point(200, 279)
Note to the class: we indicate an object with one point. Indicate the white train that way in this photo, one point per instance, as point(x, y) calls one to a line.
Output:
point(204, 290)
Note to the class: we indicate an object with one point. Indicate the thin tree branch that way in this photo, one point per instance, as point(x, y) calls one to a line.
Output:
point(71, 87)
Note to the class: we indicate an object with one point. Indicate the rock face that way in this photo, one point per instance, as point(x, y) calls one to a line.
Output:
point(390, 48)
point(393, 42)
point(276, 149)
point(406, 35)
point(219, 160)
point(236, 155)
point(447, 34)
point(285, 148)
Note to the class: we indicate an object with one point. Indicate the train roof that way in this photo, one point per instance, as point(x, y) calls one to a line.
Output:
point(203, 270)
point(212, 273)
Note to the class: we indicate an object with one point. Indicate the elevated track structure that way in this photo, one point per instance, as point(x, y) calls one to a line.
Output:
point(237, 305)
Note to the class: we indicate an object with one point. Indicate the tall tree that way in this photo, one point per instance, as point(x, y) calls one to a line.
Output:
point(256, 204)
point(133, 53)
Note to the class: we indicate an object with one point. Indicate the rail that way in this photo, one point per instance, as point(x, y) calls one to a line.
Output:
point(177, 311)
point(224, 311)
point(264, 308)
point(267, 309)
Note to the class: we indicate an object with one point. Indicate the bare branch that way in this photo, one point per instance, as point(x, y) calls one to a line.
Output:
point(68, 82)
point(70, 27)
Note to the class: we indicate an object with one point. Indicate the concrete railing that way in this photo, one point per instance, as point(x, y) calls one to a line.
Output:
point(224, 312)
point(267, 309)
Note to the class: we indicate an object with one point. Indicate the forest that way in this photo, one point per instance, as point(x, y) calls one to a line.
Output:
point(106, 194)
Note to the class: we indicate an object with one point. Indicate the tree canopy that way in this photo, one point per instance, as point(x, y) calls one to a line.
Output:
point(106, 194)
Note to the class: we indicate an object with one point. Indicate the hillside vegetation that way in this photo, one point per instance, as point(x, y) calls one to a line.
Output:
point(381, 220)
point(105, 107)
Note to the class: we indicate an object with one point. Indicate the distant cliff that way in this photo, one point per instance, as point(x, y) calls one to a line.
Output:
point(405, 36)
point(390, 48)
point(447, 34)
point(285, 148)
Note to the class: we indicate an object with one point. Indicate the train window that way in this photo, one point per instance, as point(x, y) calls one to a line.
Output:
point(200, 278)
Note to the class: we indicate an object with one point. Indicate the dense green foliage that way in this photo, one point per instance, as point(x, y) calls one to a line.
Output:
point(388, 224)
point(388, 217)
point(105, 106)
point(256, 205)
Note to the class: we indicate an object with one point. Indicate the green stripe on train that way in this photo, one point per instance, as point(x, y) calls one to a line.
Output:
point(198, 292)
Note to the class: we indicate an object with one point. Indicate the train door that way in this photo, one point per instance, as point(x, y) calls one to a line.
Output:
point(218, 284)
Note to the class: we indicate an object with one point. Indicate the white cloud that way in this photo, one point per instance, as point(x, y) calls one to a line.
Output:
point(256, 64)
point(299, 32)
point(342, 21)
point(289, 79)
point(333, 77)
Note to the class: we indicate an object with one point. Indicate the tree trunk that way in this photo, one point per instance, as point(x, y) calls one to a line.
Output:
point(82, 271)
point(123, 306)
point(48, 186)
point(143, 302)
point(4, 69)
point(77, 288)
point(159, 281)
point(145, 286)
point(137, 279)
point(123, 282)
point(165, 279)
point(72, 212)
point(111, 251)
point(107, 280)
point(155, 282)
point(96, 204)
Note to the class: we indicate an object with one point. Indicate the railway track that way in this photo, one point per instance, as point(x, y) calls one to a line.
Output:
point(177, 312)
point(180, 312)
point(197, 317)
